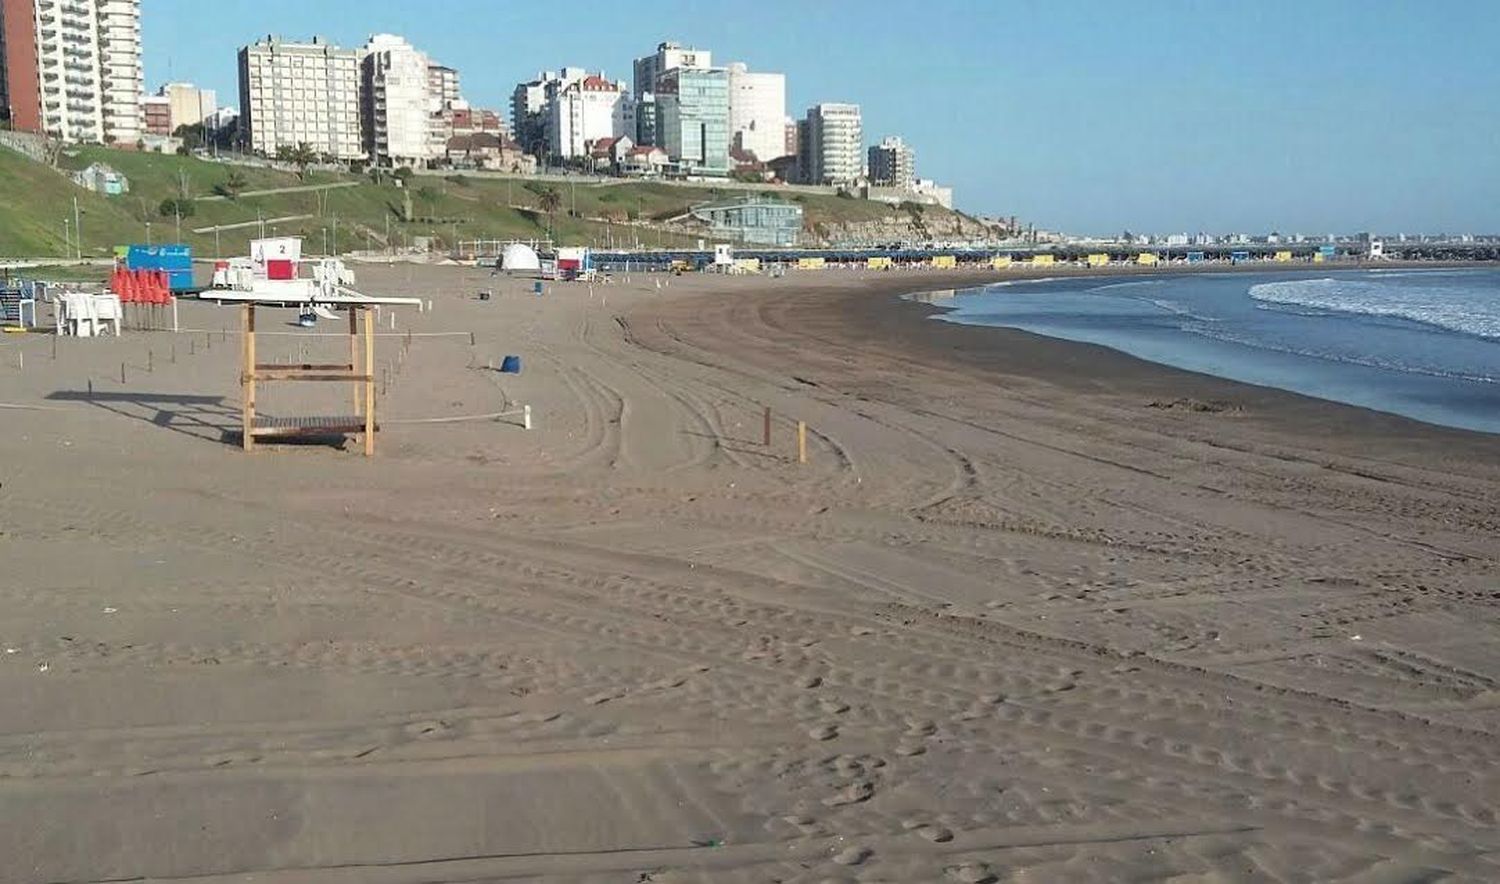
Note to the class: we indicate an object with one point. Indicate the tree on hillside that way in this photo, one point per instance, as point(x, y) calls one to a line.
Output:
point(550, 201)
point(230, 187)
point(176, 207)
point(302, 156)
point(193, 136)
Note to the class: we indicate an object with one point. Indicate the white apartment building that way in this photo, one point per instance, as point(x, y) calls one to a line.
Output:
point(669, 55)
point(189, 104)
point(529, 106)
point(442, 87)
point(294, 93)
point(85, 83)
point(757, 112)
point(893, 163)
point(835, 144)
point(397, 92)
point(584, 110)
point(123, 80)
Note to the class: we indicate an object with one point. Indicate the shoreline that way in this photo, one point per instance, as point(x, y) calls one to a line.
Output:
point(1097, 362)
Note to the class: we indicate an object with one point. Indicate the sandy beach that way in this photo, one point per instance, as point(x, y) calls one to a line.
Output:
point(1032, 611)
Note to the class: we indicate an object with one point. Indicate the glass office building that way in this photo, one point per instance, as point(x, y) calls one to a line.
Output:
point(753, 219)
point(692, 120)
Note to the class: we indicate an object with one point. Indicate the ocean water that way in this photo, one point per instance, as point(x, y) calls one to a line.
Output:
point(1421, 343)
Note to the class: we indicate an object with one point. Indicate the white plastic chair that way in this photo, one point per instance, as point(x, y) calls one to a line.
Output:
point(105, 309)
point(75, 315)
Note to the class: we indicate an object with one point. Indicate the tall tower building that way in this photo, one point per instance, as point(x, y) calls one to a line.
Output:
point(397, 90)
point(757, 112)
point(893, 163)
point(72, 68)
point(835, 149)
point(295, 93)
point(649, 68)
point(692, 125)
point(122, 79)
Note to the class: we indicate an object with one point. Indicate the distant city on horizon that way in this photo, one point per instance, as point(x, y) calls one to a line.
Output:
point(73, 71)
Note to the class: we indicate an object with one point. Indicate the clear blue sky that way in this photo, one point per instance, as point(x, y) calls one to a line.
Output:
point(1093, 117)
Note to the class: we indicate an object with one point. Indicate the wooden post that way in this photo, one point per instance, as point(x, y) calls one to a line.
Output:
point(369, 383)
point(766, 436)
point(247, 379)
point(354, 354)
point(801, 442)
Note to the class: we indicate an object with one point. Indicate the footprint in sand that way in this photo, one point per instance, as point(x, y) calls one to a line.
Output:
point(603, 697)
point(428, 729)
point(824, 732)
point(852, 856)
point(920, 728)
point(810, 681)
point(931, 831)
point(834, 707)
point(855, 793)
point(909, 750)
point(973, 873)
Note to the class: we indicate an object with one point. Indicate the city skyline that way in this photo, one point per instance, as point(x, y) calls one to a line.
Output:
point(1278, 117)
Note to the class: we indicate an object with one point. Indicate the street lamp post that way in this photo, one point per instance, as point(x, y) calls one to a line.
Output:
point(148, 233)
point(67, 239)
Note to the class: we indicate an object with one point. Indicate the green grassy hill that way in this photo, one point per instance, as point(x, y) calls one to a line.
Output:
point(34, 200)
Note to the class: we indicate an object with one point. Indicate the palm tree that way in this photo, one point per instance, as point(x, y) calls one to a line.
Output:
point(550, 201)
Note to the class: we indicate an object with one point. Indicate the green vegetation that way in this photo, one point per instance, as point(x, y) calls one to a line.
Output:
point(368, 211)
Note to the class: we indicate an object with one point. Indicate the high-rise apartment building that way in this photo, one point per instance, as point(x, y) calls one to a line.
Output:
point(528, 107)
point(668, 56)
point(122, 78)
point(72, 68)
point(893, 163)
point(296, 93)
point(585, 110)
point(693, 119)
point(442, 87)
point(400, 94)
point(834, 144)
point(189, 105)
point(757, 112)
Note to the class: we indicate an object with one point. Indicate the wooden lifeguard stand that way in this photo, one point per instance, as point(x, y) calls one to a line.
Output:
point(358, 371)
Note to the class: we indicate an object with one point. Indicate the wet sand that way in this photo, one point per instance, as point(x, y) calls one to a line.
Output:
point(1012, 621)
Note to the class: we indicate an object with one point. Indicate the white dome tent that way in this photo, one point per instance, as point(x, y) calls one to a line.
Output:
point(519, 257)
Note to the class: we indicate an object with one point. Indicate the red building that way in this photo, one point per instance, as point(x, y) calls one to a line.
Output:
point(20, 86)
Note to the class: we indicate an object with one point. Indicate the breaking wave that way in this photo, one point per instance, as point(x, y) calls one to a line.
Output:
point(1468, 310)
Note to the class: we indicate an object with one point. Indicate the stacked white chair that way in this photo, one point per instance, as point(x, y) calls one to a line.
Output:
point(105, 309)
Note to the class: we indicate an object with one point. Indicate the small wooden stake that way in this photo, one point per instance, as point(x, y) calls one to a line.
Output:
point(766, 436)
point(801, 442)
point(150, 361)
point(122, 372)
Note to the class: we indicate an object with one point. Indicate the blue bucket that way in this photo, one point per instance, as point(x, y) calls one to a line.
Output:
point(511, 365)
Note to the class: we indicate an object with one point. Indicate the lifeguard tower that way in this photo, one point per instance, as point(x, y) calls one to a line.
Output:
point(274, 280)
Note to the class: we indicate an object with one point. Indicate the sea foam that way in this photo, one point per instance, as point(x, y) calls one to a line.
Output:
point(1465, 309)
